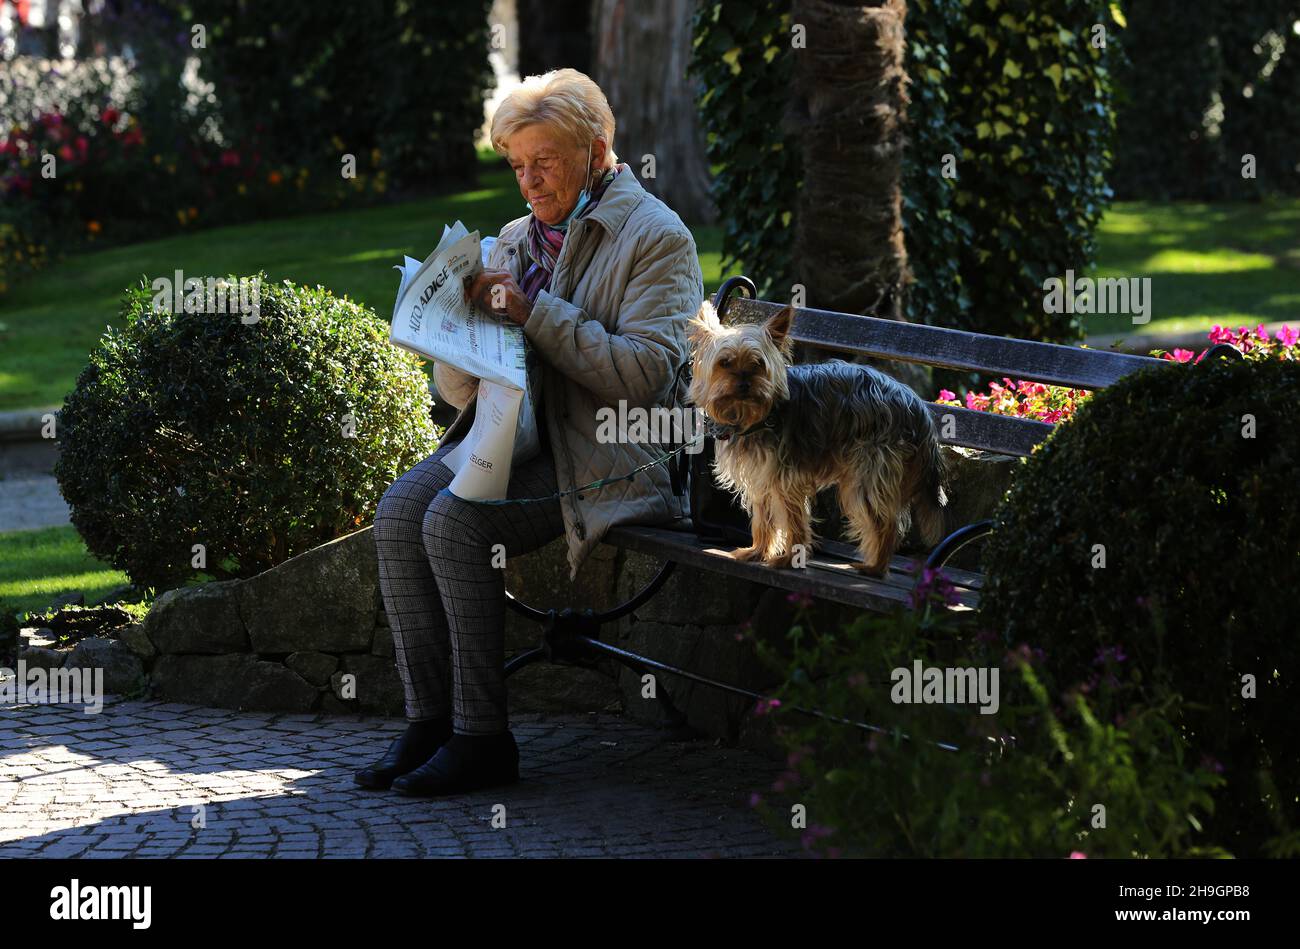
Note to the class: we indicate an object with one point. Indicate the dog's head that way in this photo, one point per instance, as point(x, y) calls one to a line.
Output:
point(738, 372)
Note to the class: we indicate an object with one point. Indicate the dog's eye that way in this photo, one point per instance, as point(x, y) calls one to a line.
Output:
point(725, 362)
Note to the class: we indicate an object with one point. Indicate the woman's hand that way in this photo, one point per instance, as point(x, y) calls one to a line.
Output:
point(496, 292)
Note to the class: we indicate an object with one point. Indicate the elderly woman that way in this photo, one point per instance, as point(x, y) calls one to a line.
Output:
point(603, 277)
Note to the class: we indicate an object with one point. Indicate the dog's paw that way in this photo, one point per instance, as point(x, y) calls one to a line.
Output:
point(780, 560)
point(871, 570)
point(746, 554)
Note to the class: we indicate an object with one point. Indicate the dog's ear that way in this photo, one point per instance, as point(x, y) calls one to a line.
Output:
point(703, 324)
point(778, 327)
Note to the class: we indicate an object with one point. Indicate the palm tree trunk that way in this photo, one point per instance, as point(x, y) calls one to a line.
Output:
point(849, 105)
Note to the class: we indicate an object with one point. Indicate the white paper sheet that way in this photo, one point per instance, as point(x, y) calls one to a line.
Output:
point(432, 317)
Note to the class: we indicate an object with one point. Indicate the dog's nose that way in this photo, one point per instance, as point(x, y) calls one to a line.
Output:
point(743, 386)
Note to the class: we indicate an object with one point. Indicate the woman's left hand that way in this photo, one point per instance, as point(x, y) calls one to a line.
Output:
point(499, 287)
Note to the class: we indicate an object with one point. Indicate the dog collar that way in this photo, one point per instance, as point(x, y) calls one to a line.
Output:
point(727, 432)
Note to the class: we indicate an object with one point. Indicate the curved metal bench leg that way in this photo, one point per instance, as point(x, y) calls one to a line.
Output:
point(567, 632)
point(525, 658)
point(617, 612)
point(955, 541)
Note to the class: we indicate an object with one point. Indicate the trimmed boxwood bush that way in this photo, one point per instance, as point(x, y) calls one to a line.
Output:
point(1195, 516)
point(256, 440)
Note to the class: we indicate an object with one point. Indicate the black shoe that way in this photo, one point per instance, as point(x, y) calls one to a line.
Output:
point(416, 745)
point(465, 763)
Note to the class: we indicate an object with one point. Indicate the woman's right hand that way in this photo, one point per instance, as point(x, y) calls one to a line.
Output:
point(456, 387)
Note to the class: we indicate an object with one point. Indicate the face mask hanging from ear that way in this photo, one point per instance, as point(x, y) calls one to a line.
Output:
point(583, 199)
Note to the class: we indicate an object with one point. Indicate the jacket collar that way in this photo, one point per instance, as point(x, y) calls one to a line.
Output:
point(619, 201)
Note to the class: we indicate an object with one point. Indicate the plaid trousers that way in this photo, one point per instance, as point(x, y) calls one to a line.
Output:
point(444, 598)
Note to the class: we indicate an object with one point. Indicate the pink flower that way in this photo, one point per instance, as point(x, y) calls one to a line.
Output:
point(1287, 336)
point(1261, 332)
point(799, 599)
point(1182, 355)
point(1054, 416)
point(109, 116)
point(933, 583)
point(1220, 335)
point(946, 396)
point(763, 706)
point(1078, 855)
point(813, 833)
point(66, 153)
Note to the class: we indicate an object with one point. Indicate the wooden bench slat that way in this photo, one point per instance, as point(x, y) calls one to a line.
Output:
point(836, 582)
point(960, 578)
point(952, 349)
point(1003, 434)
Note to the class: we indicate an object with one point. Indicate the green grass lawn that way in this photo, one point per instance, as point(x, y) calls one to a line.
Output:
point(52, 321)
point(1236, 264)
point(1208, 263)
point(36, 566)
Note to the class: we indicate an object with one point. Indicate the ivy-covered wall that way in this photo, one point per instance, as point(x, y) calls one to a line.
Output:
point(742, 55)
point(1030, 93)
point(1010, 132)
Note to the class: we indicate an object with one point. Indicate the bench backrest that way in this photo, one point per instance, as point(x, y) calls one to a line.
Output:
point(954, 349)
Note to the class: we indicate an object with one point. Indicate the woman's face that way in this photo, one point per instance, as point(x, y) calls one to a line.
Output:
point(550, 173)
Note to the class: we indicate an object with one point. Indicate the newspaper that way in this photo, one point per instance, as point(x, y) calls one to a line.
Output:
point(431, 317)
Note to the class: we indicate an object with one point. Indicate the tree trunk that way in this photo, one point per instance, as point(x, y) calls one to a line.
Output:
point(641, 52)
point(849, 105)
point(554, 34)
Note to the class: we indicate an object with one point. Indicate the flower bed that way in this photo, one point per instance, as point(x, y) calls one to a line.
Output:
point(1052, 404)
point(93, 153)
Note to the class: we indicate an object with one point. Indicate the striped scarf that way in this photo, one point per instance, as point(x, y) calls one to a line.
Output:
point(545, 241)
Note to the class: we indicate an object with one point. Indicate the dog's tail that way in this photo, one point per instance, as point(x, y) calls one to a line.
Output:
point(930, 498)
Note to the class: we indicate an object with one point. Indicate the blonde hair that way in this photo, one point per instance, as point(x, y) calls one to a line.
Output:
point(565, 101)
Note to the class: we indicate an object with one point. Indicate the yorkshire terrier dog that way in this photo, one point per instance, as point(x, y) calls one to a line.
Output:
point(786, 432)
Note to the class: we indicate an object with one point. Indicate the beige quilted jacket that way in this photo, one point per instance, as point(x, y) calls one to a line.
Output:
point(612, 326)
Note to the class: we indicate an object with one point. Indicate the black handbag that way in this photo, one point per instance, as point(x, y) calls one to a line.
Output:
point(716, 513)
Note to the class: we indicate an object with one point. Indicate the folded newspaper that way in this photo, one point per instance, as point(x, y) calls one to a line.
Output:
point(433, 318)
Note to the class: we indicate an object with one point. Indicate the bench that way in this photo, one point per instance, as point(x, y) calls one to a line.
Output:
point(573, 636)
